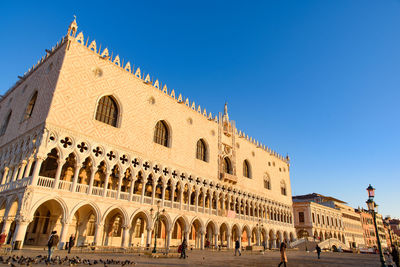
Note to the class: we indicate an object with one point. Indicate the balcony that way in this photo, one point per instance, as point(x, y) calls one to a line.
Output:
point(226, 177)
point(81, 189)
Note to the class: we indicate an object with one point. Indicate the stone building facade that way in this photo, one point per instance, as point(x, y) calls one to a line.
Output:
point(368, 228)
point(352, 225)
point(90, 145)
point(312, 219)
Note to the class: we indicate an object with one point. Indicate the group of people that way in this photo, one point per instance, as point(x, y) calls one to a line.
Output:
point(53, 241)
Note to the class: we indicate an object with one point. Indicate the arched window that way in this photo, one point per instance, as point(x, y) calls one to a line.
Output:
point(5, 124)
point(246, 169)
point(201, 150)
point(161, 133)
point(107, 111)
point(283, 188)
point(31, 105)
point(227, 165)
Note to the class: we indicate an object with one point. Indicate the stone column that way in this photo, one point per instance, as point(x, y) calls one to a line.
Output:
point(125, 236)
point(106, 183)
point(5, 174)
point(36, 169)
point(215, 241)
point(63, 235)
point(222, 205)
point(28, 167)
point(169, 233)
point(210, 203)
point(148, 238)
point(163, 195)
point(196, 200)
point(228, 240)
point(153, 192)
point(204, 202)
point(98, 233)
point(75, 179)
point(143, 191)
point(19, 234)
point(258, 238)
point(92, 174)
point(121, 175)
point(22, 169)
point(17, 169)
point(58, 173)
point(186, 234)
point(181, 197)
point(131, 189)
point(202, 239)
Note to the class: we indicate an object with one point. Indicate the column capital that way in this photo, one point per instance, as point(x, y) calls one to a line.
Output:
point(126, 226)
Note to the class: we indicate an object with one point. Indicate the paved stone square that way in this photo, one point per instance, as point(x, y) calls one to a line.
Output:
point(226, 258)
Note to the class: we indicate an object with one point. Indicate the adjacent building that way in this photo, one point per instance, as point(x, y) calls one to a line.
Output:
point(314, 219)
point(93, 146)
point(367, 223)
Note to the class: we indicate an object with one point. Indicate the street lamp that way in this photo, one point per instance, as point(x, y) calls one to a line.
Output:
point(156, 220)
point(371, 207)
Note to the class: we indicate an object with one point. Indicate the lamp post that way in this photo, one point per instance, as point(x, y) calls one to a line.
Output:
point(156, 220)
point(371, 207)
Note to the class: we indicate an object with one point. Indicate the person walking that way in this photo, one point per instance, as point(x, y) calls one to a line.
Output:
point(318, 249)
point(183, 249)
point(237, 247)
point(52, 243)
point(283, 254)
point(264, 244)
point(71, 243)
point(395, 256)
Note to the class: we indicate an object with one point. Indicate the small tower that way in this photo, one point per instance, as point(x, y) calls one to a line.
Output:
point(73, 28)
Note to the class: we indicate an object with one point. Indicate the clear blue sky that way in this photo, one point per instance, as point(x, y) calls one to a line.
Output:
point(318, 79)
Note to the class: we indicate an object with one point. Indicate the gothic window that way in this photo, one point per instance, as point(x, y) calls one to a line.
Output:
point(161, 133)
point(283, 188)
point(267, 182)
point(31, 105)
point(227, 165)
point(246, 169)
point(5, 124)
point(107, 111)
point(201, 150)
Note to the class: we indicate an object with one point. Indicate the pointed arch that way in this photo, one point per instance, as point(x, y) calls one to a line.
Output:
point(202, 150)
point(108, 110)
point(30, 106)
point(246, 169)
point(162, 134)
point(227, 165)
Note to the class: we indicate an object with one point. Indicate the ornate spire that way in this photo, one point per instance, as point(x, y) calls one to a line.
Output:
point(226, 116)
point(73, 27)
